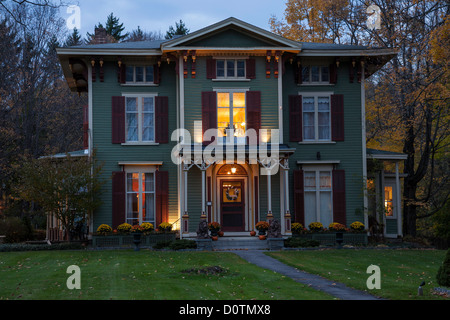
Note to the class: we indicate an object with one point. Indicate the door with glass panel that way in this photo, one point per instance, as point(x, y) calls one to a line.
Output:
point(232, 205)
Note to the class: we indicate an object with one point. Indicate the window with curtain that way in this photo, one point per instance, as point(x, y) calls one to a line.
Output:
point(140, 197)
point(231, 114)
point(316, 118)
point(140, 118)
point(318, 196)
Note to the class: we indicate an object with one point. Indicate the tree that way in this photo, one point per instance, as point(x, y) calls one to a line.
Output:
point(140, 35)
point(74, 39)
point(114, 28)
point(407, 101)
point(67, 188)
point(179, 30)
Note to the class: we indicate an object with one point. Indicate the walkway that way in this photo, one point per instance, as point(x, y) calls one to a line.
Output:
point(335, 289)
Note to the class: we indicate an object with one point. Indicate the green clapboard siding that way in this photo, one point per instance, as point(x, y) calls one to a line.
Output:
point(111, 154)
point(349, 152)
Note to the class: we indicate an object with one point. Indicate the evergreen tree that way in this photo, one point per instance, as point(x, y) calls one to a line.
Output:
point(114, 28)
point(179, 30)
point(74, 39)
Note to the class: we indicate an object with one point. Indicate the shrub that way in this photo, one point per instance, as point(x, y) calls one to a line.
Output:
point(336, 226)
point(315, 226)
point(147, 227)
point(443, 275)
point(357, 226)
point(104, 229)
point(14, 230)
point(297, 228)
point(262, 226)
point(124, 228)
point(165, 227)
point(162, 244)
point(299, 242)
point(183, 244)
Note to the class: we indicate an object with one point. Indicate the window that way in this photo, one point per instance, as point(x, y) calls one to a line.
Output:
point(140, 197)
point(318, 196)
point(139, 74)
point(316, 118)
point(315, 74)
point(230, 68)
point(231, 114)
point(140, 118)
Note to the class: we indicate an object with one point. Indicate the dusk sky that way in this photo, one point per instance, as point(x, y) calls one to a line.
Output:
point(158, 15)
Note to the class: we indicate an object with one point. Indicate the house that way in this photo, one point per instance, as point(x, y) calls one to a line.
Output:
point(232, 124)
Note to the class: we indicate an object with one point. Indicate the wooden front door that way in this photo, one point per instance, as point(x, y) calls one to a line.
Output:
point(232, 205)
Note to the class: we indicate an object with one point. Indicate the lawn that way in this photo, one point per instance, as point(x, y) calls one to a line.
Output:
point(143, 275)
point(402, 271)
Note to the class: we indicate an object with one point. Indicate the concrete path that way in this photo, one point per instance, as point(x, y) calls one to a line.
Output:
point(335, 289)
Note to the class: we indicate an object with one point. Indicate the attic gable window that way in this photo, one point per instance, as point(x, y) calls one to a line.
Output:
point(140, 74)
point(230, 69)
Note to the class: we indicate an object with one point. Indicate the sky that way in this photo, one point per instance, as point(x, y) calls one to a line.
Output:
point(158, 15)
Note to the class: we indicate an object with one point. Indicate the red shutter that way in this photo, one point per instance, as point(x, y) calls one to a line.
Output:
point(156, 74)
point(162, 196)
point(339, 213)
point(253, 104)
point(209, 112)
point(295, 118)
point(118, 199)
point(333, 73)
point(210, 69)
point(299, 197)
point(86, 127)
point(251, 69)
point(118, 119)
point(337, 117)
point(162, 120)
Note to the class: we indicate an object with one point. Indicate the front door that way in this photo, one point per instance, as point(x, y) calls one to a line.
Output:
point(232, 203)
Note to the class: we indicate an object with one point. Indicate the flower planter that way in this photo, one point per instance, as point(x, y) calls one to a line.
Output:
point(126, 240)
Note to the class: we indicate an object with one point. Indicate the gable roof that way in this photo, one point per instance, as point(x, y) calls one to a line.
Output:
point(232, 22)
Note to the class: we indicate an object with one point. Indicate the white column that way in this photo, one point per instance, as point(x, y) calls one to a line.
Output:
point(364, 150)
point(269, 195)
point(286, 189)
point(399, 200)
point(203, 192)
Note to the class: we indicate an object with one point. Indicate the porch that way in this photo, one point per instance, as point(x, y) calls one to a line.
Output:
point(247, 187)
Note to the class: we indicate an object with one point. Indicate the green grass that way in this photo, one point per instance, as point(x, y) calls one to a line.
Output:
point(402, 271)
point(143, 275)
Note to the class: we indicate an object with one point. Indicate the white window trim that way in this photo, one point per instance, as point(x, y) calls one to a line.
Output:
point(317, 169)
point(316, 140)
point(235, 77)
point(140, 169)
point(143, 83)
point(140, 96)
point(320, 82)
point(391, 183)
point(240, 140)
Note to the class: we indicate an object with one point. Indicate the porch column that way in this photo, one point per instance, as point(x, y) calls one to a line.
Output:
point(287, 216)
point(203, 217)
point(269, 195)
point(398, 200)
point(185, 217)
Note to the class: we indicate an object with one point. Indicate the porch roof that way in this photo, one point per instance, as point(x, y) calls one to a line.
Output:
point(283, 149)
point(385, 155)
